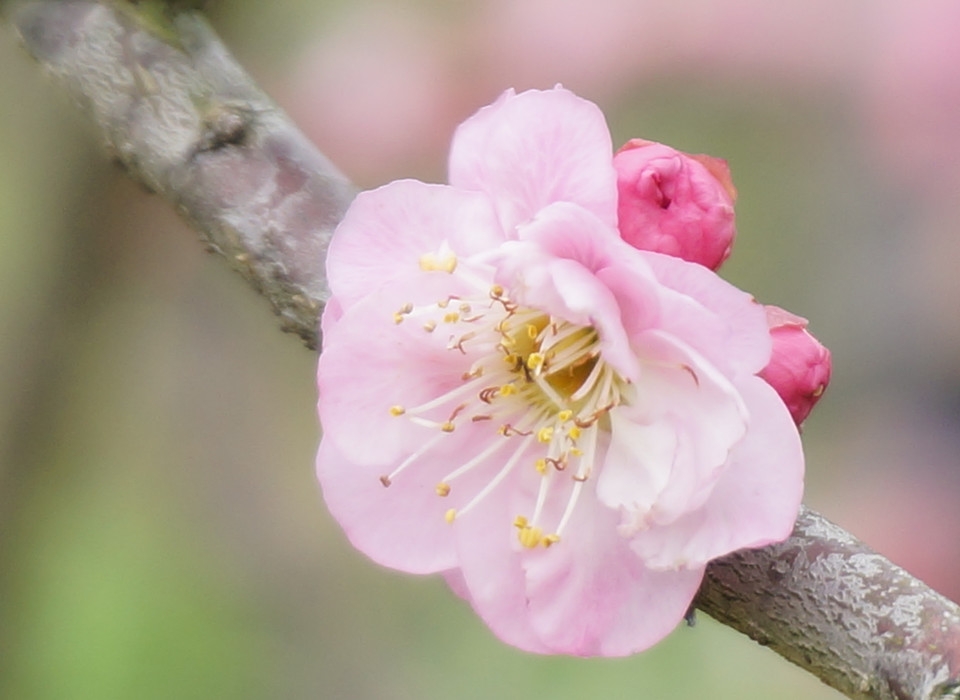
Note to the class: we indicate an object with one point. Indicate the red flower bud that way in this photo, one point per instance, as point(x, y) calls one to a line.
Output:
point(799, 368)
point(675, 203)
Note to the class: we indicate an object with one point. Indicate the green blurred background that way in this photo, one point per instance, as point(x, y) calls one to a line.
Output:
point(161, 533)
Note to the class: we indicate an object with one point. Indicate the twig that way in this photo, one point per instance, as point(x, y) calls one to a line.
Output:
point(178, 112)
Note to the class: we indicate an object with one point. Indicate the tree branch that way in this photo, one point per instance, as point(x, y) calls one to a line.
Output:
point(186, 121)
point(178, 112)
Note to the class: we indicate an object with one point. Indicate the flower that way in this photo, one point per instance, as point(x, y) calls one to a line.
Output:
point(675, 203)
point(799, 367)
point(567, 428)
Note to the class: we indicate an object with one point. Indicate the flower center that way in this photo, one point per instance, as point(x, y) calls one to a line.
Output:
point(537, 383)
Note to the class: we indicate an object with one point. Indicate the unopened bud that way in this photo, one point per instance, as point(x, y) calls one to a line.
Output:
point(799, 368)
point(675, 203)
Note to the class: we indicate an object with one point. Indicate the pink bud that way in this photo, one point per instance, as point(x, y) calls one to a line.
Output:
point(799, 368)
point(675, 203)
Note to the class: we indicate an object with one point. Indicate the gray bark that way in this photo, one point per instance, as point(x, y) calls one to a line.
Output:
point(178, 112)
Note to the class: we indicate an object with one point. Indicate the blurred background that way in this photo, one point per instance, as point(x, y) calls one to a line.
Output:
point(161, 534)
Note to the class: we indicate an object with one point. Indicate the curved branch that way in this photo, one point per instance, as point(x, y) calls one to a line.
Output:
point(184, 118)
point(186, 121)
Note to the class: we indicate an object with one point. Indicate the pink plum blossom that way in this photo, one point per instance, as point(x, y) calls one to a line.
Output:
point(565, 427)
point(799, 367)
point(675, 203)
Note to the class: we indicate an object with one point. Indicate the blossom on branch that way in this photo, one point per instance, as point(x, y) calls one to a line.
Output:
point(566, 427)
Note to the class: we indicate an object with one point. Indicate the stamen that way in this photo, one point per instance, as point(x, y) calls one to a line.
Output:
point(452, 395)
point(589, 382)
point(545, 434)
point(583, 470)
point(551, 393)
point(501, 475)
point(388, 479)
point(530, 537)
point(534, 361)
point(560, 385)
point(470, 464)
point(429, 262)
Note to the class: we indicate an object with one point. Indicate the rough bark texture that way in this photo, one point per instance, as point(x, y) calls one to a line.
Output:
point(826, 602)
point(186, 121)
point(179, 113)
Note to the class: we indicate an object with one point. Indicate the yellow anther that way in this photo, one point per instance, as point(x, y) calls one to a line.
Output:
point(535, 361)
point(451, 317)
point(532, 331)
point(447, 427)
point(397, 410)
point(450, 515)
point(520, 522)
point(565, 415)
point(511, 359)
point(429, 262)
point(530, 537)
point(429, 326)
point(541, 465)
point(443, 489)
point(444, 303)
point(496, 291)
point(550, 539)
point(545, 434)
point(576, 452)
point(397, 317)
point(507, 390)
point(573, 433)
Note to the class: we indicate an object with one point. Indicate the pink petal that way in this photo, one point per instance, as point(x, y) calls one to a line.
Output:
point(386, 231)
point(491, 572)
point(720, 321)
point(756, 500)
point(679, 394)
point(370, 363)
point(457, 584)
point(638, 462)
point(589, 596)
point(559, 266)
point(529, 150)
point(401, 526)
point(586, 595)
